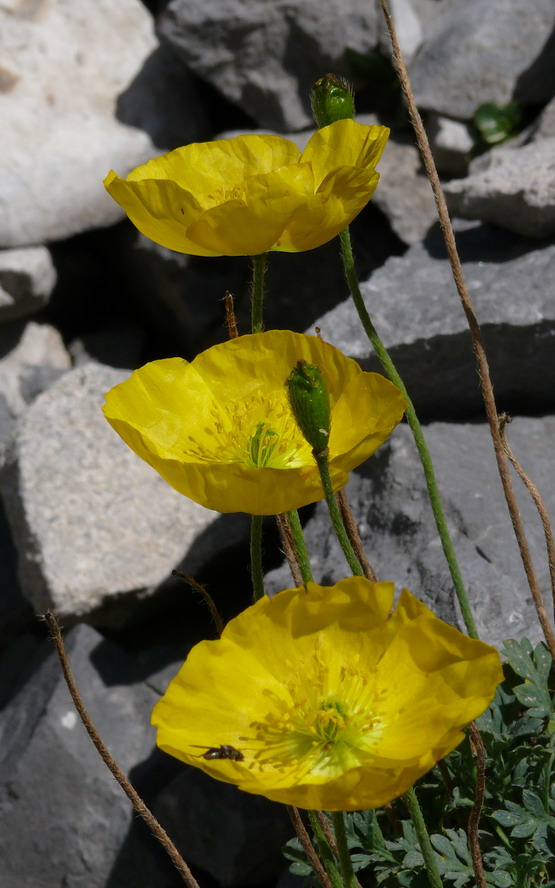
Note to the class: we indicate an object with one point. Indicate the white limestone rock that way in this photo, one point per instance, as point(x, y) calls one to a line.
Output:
point(91, 521)
point(511, 187)
point(76, 98)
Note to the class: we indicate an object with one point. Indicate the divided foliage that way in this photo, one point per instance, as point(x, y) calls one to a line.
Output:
point(517, 824)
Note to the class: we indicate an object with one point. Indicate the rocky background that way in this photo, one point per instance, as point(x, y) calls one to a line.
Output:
point(92, 532)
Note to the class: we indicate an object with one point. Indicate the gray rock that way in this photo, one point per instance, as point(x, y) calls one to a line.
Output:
point(63, 817)
point(234, 836)
point(101, 73)
point(486, 51)
point(91, 521)
point(415, 308)
point(516, 190)
point(390, 505)
point(404, 194)
point(264, 57)
point(451, 142)
point(27, 278)
point(32, 357)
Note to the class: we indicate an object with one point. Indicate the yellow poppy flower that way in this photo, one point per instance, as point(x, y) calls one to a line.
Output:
point(253, 193)
point(319, 699)
point(220, 429)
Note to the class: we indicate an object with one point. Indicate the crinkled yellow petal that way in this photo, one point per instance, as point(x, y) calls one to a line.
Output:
point(357, 433)
point(328, 211)
point(209, 167)
point(344, 143)
point(254, 221)
point(409, 681)
point(160, 209)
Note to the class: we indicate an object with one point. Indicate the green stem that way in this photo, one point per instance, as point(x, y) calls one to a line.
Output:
point(300, 547)
point(321, 458)
point(412, 419)
point(259, 264)
point(257, 572)
point(324, 852)
point(349, 878)
point(428, 853)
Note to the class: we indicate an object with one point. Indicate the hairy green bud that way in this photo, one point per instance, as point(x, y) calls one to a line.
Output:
point(331, 99)
point(310, 404)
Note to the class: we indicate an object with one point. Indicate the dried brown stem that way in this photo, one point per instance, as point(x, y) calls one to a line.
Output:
point(504, 419)
point(198, 587)
point(354, 536)
point(328, 832)
point(477, 746)
point(288, 547)
point(128, 789)
point(308, 847)
point(475, 332)
point(230, 318)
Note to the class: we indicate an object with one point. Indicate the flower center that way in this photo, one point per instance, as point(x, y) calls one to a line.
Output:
point(259, 432)
point(327, 727)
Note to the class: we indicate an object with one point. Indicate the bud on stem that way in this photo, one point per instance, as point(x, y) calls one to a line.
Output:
point(331, 99)
point(310, 404)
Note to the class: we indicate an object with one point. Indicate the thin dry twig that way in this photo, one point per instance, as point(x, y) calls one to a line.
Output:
point(308, 847)
point(137, 802)
point(198, 587)
point(504, 419)
point(354, 536)
point(328, 832)
point(288, 547)
point(230, 318)
point(475, 332)
point(477, 746)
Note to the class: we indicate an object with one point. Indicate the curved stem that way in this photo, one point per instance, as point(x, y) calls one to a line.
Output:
point(321, 458)
point(300, 547)
point(416, 429)
point(428, 853)
point(259, 264)
point(257, 572)
point(349, 878)
point(325, 852)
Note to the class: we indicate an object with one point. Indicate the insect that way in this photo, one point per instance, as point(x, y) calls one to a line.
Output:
point(222, 752)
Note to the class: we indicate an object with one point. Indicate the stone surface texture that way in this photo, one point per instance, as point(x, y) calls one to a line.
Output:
point(32, 356)
point(390, 505)
point(486, 51)
point(63, 818)
point(451, 142)
point(83, 82)
point(264, 56)
point(90, 519)
point(27, 278)
point(415, 308)
point(511, 187)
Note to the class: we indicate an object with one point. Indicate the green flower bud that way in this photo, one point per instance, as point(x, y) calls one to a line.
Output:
point(310, 404)
point(331, 99)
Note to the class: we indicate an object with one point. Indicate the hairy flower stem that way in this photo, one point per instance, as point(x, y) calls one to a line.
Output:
point(308, 847)
point(259, 264)
point(428, 853)
point(349, 878)
point(416, 429)
point(257, 573)
point(321, 458)
point(325, 852)
point(300, 547)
